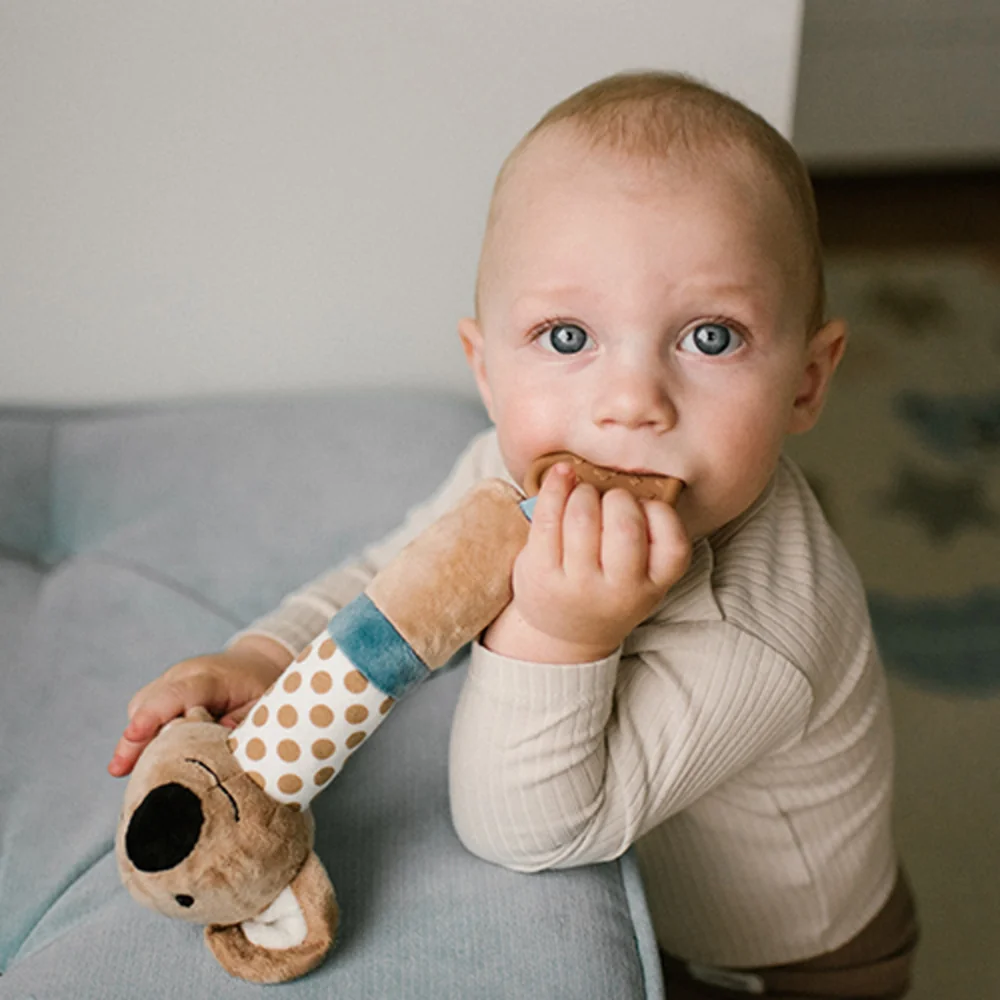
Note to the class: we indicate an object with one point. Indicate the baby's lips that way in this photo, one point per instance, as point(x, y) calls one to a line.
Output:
point(643, 486)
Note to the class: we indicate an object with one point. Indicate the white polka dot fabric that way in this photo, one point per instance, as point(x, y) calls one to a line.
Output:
point(301, 732)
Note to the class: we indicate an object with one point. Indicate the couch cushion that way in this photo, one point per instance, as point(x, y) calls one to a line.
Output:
point(19, 586)
point(26, 439)
point(176, 526)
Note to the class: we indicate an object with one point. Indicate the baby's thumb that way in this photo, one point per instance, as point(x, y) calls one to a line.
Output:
point(152, 709)
point(232, 719)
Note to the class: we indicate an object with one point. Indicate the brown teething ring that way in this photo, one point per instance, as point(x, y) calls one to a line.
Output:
point(644, 486)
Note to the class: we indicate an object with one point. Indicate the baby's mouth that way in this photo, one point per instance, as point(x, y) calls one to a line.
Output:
point(640, 483)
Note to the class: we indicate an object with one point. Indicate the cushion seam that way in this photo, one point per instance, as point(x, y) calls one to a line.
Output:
point(162, 579)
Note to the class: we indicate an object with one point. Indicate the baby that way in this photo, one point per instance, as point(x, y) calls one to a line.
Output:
point(699, 680)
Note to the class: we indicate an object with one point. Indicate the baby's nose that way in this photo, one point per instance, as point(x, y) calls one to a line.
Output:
point(635, 397)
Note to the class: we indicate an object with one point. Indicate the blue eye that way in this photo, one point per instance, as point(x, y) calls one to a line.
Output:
point(564, 338)
point(712, 339)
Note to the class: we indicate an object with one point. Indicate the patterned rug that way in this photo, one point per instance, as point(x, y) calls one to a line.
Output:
point(906, 460)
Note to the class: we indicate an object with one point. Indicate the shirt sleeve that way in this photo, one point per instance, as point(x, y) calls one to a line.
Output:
point(555, 765)
point(305, 612)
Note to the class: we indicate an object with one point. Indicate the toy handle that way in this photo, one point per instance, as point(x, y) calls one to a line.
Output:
point(436, 595)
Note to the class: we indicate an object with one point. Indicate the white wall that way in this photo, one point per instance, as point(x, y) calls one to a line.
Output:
point(217, 196)
point(899, 83)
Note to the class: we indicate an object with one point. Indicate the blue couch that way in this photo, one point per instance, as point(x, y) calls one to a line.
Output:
point(131, 538)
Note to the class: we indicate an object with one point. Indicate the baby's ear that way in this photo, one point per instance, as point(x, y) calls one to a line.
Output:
point(290, 938)
point(823, 354)
point(473, 344)
point(195, 714)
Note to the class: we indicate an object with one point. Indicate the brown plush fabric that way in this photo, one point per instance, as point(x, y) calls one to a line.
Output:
point(199, 840)
point(240, 957)
point(453, 579)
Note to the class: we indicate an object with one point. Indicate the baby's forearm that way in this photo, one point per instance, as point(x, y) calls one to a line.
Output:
point(531, 787)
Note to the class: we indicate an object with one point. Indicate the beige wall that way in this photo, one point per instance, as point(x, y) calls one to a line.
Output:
point(213, 197)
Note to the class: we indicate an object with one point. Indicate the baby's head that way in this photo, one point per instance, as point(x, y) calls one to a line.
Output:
point(650, 292)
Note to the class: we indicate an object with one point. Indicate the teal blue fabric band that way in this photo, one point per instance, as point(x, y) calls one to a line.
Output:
point(528, 507)
point(369, 640)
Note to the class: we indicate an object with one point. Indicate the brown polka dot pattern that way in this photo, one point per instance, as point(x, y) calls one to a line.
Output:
point(355, 682)
point(290, 783)
point(321, 715)
point(308, 724)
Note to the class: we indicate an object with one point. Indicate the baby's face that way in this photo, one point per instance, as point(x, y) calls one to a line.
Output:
point(647, 318)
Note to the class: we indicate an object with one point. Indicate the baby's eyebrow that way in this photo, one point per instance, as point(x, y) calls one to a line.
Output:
point(553, 300)
point(557, 288)
point(542, 298)
point(748, 285)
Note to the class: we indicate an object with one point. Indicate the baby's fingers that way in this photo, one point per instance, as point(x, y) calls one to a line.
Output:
point(152, 709)
point(625, 546)
point(232, 719)
point(126, 753)
point(145, 723)
point(546, 537)
point(669, 545)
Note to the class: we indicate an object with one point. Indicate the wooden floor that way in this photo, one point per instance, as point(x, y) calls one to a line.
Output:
point(917, 211)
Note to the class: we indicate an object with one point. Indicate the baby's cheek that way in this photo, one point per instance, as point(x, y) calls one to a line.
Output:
point(524, 438)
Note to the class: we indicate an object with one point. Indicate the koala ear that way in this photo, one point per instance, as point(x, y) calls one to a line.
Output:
point(290, 938)
point(195, 714)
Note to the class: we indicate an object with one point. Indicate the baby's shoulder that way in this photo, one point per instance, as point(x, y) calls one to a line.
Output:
point(784, 576)
point(483, 458)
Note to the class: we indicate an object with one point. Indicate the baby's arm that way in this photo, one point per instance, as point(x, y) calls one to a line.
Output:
point(226, 683)
point(563, 752)
point(306, 612)
point(555, 765)
point(229, 682)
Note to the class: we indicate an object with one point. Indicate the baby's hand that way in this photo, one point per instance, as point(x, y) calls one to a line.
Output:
point(227, 684)
point(593, 568)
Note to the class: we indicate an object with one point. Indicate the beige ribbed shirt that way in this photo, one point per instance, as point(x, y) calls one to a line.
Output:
point(741, 737)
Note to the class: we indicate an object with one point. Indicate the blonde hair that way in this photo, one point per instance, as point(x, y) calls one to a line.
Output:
point(645, 114)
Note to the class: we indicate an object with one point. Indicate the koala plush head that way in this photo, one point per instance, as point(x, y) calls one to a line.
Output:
point(198, 839)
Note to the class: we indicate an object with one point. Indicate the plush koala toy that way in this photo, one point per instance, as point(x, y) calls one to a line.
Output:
point(215, 828)
point(200, 840)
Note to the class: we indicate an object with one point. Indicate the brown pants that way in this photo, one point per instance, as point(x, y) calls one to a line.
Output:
point(874, 965)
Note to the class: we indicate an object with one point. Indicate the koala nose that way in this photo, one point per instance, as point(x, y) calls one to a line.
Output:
point(164, 828)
